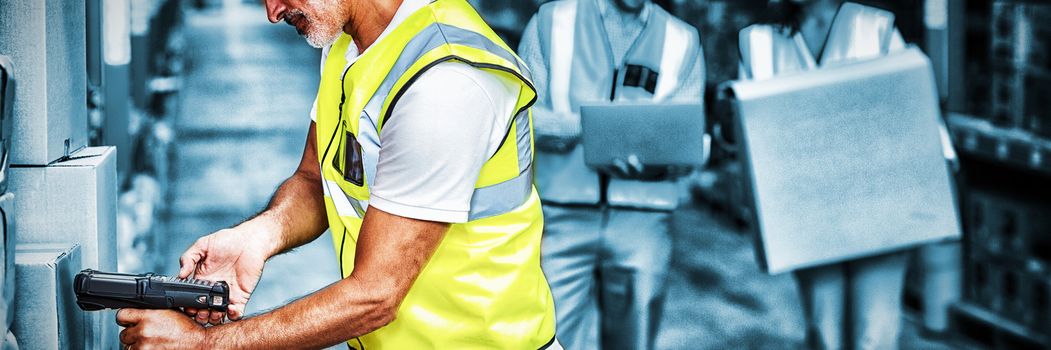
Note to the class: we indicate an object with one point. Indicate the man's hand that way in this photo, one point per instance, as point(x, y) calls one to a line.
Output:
point(294, 216)
point(631, 167)
point(556, 132)
point(234, 255)
point(390, 253)
point(159, 329)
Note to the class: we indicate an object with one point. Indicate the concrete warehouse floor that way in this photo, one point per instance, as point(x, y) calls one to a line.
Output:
point(240, 129)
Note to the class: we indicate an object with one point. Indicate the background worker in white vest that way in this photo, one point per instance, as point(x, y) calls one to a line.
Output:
point(855, 304)
point(435, 220)
point(606, 237)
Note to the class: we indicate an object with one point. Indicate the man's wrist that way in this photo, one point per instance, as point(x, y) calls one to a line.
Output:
point(266, 231)
point(210, 339)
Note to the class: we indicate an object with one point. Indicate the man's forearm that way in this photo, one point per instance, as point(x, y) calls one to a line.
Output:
point(391, 252)
point(295, 215)
point(555, 132)
point(344, 310)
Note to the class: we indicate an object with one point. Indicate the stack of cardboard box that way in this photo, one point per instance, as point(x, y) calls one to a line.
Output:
point(66, 191)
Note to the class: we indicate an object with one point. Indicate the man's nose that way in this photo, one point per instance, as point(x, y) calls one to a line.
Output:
point(275, 10)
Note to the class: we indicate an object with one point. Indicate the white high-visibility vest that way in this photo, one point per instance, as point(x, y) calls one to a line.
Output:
point(582, 72)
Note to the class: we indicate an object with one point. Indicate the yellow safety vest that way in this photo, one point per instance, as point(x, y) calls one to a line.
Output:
point(483, 288)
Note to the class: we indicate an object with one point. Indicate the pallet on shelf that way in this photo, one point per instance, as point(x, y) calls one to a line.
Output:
point(1006, 145)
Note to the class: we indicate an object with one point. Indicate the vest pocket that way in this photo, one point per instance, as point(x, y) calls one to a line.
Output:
point(355, 170)
point(348, 160)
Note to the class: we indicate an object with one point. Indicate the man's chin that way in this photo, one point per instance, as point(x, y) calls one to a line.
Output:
point(319, 41)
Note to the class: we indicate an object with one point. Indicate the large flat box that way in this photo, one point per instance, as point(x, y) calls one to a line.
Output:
point(46, 42)
point(845, 162)
point(7, 260)
point(47, 314)
point(73, 201)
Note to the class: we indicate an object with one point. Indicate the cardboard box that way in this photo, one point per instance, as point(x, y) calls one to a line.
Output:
point(74, 201)
point(845, 162)
point(47, 314)
point(7, 260)
point(47, 47)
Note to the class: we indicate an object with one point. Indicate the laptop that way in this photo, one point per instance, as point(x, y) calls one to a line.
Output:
point(658, 135)
point(845, 162)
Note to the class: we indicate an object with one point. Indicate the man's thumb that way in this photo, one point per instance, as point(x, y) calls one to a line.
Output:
point(188, 261)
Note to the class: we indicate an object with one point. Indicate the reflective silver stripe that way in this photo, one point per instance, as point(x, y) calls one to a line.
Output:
point(676, 41)
point(461, 36)
point(431, 37)
point(492, 200)
point(345, 206)
point(428, 39)
point(563, 30)
point(521, 120)
point(369, 139)
point(501, 198)
point(525, 147)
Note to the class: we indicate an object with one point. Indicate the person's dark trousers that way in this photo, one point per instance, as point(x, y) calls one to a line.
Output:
point(607, 269)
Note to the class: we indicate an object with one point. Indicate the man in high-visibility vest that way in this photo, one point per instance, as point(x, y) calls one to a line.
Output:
point(419, 161)
point(606, 236)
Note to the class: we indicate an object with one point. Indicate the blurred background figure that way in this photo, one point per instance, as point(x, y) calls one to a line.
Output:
point(856, 304)
point(607, 244)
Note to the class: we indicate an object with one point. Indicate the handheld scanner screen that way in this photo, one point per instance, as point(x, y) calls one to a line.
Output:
point(98, 290)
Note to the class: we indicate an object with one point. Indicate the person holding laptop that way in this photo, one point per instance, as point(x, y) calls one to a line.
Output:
point(606, 234)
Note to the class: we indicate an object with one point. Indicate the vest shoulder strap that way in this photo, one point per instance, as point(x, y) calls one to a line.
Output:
point(681, 47)
point(559, 17)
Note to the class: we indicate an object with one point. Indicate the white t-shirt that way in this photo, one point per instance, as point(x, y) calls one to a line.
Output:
point(448, 123)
